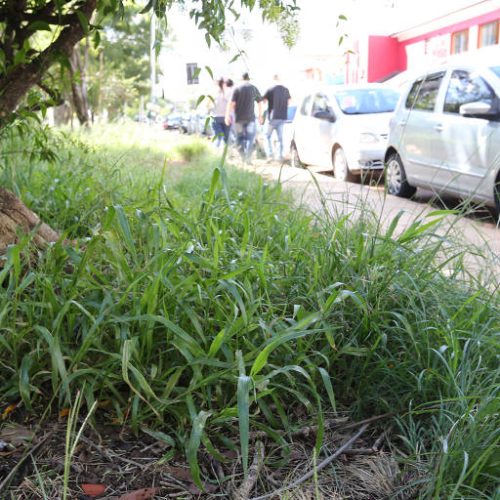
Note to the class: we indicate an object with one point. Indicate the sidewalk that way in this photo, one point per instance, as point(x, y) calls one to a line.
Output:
point(319, 190)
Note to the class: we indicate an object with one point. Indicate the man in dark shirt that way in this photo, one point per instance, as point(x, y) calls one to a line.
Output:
point(278, 99)
point(243, 105)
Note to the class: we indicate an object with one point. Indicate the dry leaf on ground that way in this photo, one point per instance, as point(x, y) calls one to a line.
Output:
point(16, 435)
point(142, 494)
point(93, 490)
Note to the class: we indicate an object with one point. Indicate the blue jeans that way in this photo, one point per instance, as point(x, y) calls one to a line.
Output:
point(221, 130)
point(245, 138)
point(271, 126)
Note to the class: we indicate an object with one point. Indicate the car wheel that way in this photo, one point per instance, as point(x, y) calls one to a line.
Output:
point(295, 158)
point(496, 196)
point(395, 178)
point(340, 167)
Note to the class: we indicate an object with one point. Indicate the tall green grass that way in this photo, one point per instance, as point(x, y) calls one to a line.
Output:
point(205, 303)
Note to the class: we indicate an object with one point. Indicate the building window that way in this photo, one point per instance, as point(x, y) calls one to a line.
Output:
point(488, 34)
point(459, 41)
point(192, 73)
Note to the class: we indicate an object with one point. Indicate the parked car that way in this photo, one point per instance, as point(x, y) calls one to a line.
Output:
point(445, 135)
point(344, 128)
point(174, 121)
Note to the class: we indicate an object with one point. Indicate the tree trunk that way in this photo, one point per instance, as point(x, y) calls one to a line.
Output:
point(15, 84)
point(16, 218)
point(79, 86)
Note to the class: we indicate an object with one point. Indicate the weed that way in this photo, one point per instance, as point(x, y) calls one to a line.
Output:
point(211, 306)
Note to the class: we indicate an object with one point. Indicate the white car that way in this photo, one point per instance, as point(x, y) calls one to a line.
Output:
point(445, 135)
point(344, 128)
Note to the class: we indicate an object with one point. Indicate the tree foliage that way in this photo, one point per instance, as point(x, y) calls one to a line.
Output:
point(36, 34)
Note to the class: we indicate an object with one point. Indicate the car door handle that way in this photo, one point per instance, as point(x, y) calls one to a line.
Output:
point(438, 127)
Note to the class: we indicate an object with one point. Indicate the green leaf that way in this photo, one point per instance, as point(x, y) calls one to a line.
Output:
point(199, 100)
point(148, 7)
point(216, 343)
point(125, 230)
point(24, 380)
point(83, 21)
point(261, 359)
point(243, 399)
point(39, 26)
point(96, 38)
point(328, 386)
point(210, 72)
point(355, 351)
point(58, 365)
point(160, 436)
point(194, 444)
point(235, 58)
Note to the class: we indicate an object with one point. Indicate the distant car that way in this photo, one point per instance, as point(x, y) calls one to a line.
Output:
point(344, 128)
point(445, 135)
point(173, 121)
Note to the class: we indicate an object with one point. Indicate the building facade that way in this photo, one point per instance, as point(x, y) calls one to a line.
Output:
point(471, 31)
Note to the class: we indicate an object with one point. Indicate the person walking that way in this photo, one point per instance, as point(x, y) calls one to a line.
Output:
point(230, 132)
point(243, 105)
point(278, 99)
point(223, 97)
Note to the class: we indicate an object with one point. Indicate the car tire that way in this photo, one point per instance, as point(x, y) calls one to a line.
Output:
point(395, 178)
point(341, 168)
point(295, 158)
point(496, 197)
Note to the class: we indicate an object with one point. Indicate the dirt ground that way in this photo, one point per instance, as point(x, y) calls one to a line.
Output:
point(114, 463)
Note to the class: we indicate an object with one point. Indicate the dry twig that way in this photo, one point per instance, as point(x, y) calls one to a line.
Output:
point(16, 467)
point(318, 468)
point(303, 431)
point(243, 492)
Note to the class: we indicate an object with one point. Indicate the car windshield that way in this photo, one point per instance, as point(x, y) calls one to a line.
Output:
point(365, 101)
point(496, 70)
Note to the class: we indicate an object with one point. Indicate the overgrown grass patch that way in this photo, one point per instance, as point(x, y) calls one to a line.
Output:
point(208, 306)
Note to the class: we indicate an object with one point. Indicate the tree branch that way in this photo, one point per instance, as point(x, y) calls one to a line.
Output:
point(56, 97)
point(15, 84)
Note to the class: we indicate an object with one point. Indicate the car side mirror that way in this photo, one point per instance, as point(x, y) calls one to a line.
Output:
point(325, 115)
point(478, 109)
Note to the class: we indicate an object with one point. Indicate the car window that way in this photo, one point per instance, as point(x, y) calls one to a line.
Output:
point(425, 92)
point(366, 101)
point(410, 99)
point(304, 109)
point(496, 70)
point(465, 87)
point(320, 104)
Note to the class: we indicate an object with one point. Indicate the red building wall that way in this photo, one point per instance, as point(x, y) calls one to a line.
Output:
point(386, 55)
point(383, 57)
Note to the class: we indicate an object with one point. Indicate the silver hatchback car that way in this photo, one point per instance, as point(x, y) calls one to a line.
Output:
point(344, 128)
point(445, 135)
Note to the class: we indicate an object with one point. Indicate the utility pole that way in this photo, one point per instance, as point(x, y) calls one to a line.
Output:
point(152, 57)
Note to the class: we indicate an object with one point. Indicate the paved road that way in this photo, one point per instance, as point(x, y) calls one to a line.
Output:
point(318, 189)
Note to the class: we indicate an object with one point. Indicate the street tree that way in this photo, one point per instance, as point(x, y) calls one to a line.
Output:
point(35, 35)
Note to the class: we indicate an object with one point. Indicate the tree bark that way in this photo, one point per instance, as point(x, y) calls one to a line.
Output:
point(15, 84)
point(16, 218)
point(79, 87)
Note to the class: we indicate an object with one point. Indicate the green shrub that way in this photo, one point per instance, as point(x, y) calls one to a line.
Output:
point(193, 151)
point(211, 306)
